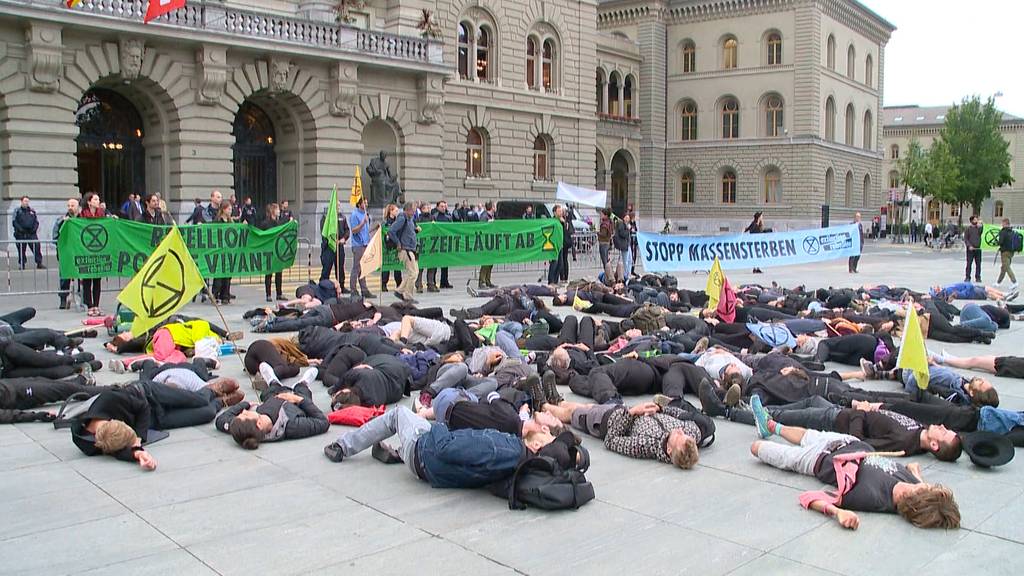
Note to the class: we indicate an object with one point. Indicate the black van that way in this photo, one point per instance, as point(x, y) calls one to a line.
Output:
point(514, 209)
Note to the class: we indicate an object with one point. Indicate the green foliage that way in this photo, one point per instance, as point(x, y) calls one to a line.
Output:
point(978, 150)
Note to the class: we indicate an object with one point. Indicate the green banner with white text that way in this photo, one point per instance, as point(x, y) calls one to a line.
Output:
point(108, 248)
point(457, 244)
point(990, 237)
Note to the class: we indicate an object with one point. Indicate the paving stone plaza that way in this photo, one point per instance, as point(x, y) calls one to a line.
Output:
point(213, 508)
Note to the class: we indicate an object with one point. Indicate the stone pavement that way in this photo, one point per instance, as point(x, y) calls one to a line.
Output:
point(212, 508)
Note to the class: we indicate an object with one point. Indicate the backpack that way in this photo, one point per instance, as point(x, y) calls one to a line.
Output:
point(649, 318)
point(540, 482)
point(1017, 241)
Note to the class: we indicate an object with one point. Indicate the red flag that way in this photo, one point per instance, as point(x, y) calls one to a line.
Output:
point(158, 8)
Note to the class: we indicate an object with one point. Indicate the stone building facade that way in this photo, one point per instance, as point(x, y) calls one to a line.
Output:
point(282, 99)
point(744, 108)
point(901, 124)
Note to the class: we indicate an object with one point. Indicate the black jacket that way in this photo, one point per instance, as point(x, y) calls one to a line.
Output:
point(198, 215)
point(1006, 239)
point(384, 382)
point(304, 419)
point(343, 230)
point(248, 214)
point(156, 218)
point(622, 236)
point(972, 237)
point(128, 405)
point(26, 223)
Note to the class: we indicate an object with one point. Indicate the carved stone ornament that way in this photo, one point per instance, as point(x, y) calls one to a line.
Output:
point(344, 89)
point(213, 74)
point(430, 96)
point(44, 44)
point(280, 69)
point(131, 51)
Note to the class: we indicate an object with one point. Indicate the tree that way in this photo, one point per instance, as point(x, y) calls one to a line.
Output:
point(942, 178)
point(979, 151)
point(913, 171)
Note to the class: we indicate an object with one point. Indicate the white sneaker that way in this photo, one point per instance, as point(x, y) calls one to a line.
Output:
point(268, 374)
point(116, 366)
point(308, 377)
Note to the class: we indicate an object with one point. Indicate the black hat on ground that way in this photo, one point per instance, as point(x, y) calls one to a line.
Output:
point(987, 449)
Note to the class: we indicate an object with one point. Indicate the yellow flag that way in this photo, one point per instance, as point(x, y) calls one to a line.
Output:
point(373, 257)
point(357, 188)
point(913, 355)
point(164, 284)
point(716, 279)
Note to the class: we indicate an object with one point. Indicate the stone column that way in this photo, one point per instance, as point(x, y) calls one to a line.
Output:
point(654, 191)
point(604, 97)
point(622, 97)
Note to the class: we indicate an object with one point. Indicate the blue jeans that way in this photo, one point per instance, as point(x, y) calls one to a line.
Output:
point(467, 458)
point(448, 397)
point(399, 420)
point(973, 316)
point(940, 378)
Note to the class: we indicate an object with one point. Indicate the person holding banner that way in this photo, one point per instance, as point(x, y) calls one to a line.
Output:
point(91, 287)
point(331, 256)
point(855, 260)
point(271, 219)
point(441, 214)
point(487, 215)
point(222, 286)
point(756, 226)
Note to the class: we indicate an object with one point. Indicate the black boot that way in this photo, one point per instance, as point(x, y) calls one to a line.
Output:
point(550, 389)
point(710, 403)
point(386, 454)
point(532, 386)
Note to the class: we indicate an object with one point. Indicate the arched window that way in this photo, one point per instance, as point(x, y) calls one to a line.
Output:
point(772, 186)
point(773, 116)
point(689, 57)
point(542, 158)
point(830, 52)
point(869, 71)
point(869, 130)
point(866, 200)
point(689, 115)
point(728, 187)
point(730, 119)
point(997, 209)
point(627, 98)
point(848, 200)
point(730, 49)
point(894, 151)
point(850, 123)
point(851, 63)
point(476, 150)
point(774, 49)
point(830, 186)
point(613, 95)
point(830, 119)
point(686, 182)
point(894, 180)
point(464, 50)
point(547, 73)
point(483, 53)
point(531, 63)
point(602, 107)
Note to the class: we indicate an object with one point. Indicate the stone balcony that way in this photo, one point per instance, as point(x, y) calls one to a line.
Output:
point(211, 20)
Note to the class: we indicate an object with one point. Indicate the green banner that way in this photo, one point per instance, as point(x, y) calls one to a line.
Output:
point(990, 237)
point(108, 247)
point(458, 244)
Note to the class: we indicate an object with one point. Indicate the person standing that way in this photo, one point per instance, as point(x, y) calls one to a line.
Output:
point(972, 240)
point(359, 223)
point(248, 212)
point(272, 219)
point(855, 260)
point(210, 213)
point(286, 212)
point(197, 213)
point(1007, 239)
point(528, 214)
point(487, 215)
point(26, 229)
point(152, 213)
point(65, 283)
point(222, 286)
point(555, 265)
point(605, 230)
point(928, 230)
point(403, 234)
point(334, 255)
point(567, 245)
point(424, 215)
point(91, 287)
point(622, 240)
point(390, 214)
point(440, 215)
point(756, 226)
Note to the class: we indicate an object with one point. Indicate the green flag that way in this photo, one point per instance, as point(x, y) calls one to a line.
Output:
point(330, 230)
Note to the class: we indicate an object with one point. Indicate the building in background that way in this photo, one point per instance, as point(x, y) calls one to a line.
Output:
point(901, 124)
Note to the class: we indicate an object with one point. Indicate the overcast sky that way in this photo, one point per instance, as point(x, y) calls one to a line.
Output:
point(943, 50)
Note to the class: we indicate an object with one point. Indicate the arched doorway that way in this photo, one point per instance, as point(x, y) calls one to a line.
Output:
point(111, 157)
point(621, 176)
point(255, 161)
point(378, 136)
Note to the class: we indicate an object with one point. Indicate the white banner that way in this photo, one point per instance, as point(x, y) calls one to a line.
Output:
point(584, 196)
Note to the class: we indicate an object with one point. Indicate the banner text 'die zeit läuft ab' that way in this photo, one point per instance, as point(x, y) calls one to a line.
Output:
point(457, 244)
point(107, 248)
point(662, 253)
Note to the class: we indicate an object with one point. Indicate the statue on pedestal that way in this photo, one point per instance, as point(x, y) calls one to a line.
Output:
point(384, 187)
